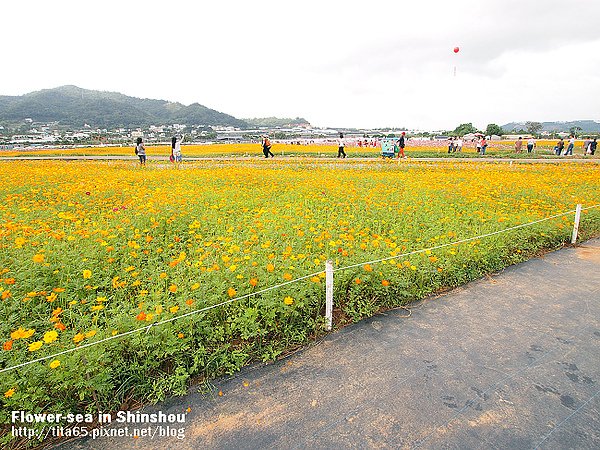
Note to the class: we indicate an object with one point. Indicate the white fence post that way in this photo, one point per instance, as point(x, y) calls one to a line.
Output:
point(329, 294)
point(576, 224)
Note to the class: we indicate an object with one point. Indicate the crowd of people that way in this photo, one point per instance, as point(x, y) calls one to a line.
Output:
point(455, 145)
point(589, 147)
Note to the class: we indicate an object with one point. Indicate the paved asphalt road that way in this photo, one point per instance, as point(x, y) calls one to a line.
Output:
point(511, 361)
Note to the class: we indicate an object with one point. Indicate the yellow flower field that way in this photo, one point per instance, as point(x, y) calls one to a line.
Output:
point(90, 250)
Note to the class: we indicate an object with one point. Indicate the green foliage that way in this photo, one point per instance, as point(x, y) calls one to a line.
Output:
point(534, 128)
point(493, 129)
point(464, 128)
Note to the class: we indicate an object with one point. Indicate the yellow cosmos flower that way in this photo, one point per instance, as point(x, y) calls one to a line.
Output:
point(54, 364)
point(288, 301)
point(173, 288)
point(174, 309)
point(231, 292)
point(90, 334)
point(35, 346)
point(87, 274)
point(38, 258)
point(78, 338)
point(50, 336)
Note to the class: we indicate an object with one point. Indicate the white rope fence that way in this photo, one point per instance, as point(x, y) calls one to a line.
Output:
point(329, 272)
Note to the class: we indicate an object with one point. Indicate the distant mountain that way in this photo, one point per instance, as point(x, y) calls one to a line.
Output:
point(587, 126)
point(277, 122)
point(73, 106)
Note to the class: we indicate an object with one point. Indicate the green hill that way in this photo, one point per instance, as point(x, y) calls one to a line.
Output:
point(586, 126)
point(73, 106)
point(273, 122)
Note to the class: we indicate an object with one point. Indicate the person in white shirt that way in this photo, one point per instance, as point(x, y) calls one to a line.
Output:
point(341, 145)
point(530, 145)
point(569, 150)
point(176, 148)
point(458, 145)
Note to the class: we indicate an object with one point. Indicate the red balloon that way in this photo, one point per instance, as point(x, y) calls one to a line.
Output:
point(456, 49)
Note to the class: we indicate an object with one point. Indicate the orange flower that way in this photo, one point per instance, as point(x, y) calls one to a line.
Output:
point(189, 302)
point(368, 268)
point(141, 316)
point(270, 267)
point(5, 294)
point(180, 335)
point(253, 282)
point(78, 337)
point(385, 282)
point(9, 393)
point(7, 345)
point(38, 258)
point(173, 288)
point(231, 292)
point(60, 326)
point(287, 276)
point(357, 280)
point(21, 333)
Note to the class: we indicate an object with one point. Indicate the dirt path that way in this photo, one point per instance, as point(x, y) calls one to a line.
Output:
point(510, 361)
point(191, 159)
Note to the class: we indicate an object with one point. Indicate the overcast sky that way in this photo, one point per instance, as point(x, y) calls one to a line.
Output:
point(337, 63)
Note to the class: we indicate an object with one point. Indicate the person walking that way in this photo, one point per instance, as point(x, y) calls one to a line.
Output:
point(560, 146)
point(459, 144)
point(519, 145)
point(140, 151)
point(341, 145)
point(450, 145)
point(593, 146)
point(571, 146)
point(401, 144)
point(483, 144)
point(176, 149)
point(266, 146)
point(586, 145)
point(530, 145)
